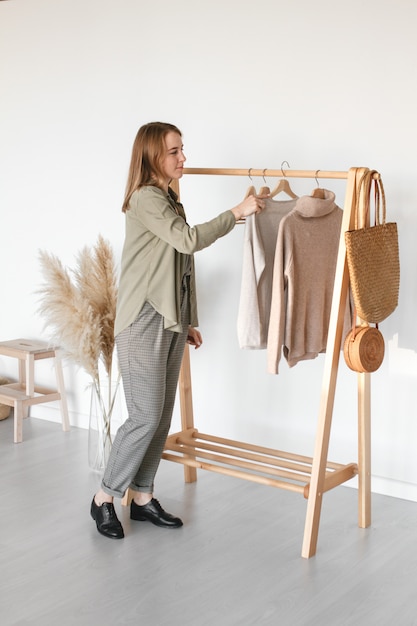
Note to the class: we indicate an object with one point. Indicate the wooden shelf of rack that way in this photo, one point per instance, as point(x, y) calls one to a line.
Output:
point(259, 464)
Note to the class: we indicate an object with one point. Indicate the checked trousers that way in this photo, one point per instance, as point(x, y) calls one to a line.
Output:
point(150, 360)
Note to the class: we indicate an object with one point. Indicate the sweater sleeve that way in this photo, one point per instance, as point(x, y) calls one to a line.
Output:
point(155, 212)
point(276, 330)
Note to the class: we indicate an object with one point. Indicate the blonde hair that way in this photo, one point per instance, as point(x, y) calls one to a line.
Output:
point(147, 153)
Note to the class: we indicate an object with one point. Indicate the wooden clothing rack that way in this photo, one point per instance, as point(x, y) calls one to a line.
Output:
point(308, 476)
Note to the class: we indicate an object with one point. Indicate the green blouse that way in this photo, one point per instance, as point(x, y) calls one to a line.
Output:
point(156, 251)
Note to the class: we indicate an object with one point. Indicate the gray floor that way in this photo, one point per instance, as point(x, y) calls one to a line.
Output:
point(235, 562)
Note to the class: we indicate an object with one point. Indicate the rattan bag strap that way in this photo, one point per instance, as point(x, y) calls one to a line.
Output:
point(364, 190)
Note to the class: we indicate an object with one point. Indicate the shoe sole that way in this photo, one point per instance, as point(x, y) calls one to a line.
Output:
point(146, 519)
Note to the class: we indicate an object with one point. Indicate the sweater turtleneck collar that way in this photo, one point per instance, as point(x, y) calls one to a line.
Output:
point(309, 206)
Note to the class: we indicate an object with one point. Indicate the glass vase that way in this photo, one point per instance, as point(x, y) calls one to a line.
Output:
point(105, 402)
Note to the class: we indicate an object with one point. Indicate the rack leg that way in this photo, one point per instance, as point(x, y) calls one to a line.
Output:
point(315, 498)
point(323, 427)
point(186, 404)
point(340, 293)
point(127, 498)
point(364, 450)
point(184, 386)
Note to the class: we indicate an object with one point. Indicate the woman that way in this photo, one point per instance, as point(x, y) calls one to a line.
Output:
point(156, 315)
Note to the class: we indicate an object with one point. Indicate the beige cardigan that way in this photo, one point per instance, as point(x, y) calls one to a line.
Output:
point(154, 257)
point(260, 238)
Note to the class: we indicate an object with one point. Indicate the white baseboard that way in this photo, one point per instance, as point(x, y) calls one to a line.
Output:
point(52, 414)
point(394, 488)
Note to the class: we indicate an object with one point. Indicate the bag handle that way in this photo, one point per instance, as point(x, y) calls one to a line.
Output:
point(369, 178)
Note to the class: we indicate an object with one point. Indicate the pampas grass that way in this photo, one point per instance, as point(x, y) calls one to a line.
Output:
point(79, 306)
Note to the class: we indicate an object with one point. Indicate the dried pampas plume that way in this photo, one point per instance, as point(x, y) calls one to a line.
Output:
point(80, 312)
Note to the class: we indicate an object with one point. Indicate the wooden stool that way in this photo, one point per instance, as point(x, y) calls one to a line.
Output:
point(25, 393)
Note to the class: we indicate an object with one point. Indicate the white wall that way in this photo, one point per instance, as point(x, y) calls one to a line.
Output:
point(324, 85)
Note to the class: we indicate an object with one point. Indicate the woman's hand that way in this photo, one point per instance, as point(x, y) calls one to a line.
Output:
point(194, 337)
point(251, 204)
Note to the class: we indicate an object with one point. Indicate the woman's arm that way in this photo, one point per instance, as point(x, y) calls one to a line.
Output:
point(154, 211)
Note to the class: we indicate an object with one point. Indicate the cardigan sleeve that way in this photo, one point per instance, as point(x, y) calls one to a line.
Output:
point(253, 264)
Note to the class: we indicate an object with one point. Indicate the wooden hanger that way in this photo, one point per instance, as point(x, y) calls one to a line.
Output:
point(283, 186)
point(318, 192)
point(251, 190)
point(265, 190)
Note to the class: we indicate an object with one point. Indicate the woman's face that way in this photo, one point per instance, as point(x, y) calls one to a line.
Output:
point(173, 162)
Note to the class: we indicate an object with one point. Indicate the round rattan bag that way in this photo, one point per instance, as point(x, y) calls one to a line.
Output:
point(364, 349)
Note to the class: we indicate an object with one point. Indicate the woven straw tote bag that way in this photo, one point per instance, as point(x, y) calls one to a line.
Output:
point(373, 256)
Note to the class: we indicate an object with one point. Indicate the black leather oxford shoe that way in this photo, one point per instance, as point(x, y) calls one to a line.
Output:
point(153, 512)
point(106, 520)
